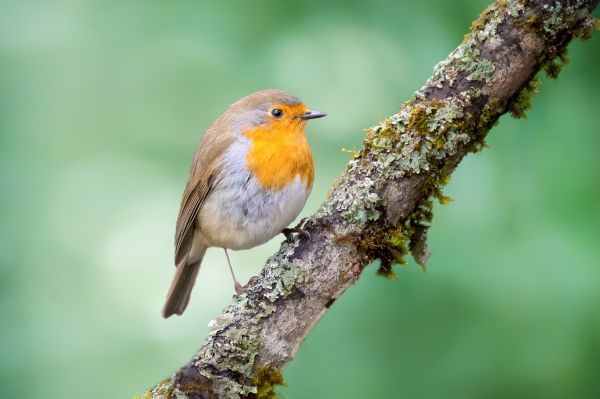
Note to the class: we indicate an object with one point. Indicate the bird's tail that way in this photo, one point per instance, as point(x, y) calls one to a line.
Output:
point(181, 287)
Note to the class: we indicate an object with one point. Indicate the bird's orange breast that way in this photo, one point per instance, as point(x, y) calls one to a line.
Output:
point(279, 153)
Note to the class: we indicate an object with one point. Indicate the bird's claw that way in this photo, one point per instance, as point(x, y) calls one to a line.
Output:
point(239, 289)
point(288, 232)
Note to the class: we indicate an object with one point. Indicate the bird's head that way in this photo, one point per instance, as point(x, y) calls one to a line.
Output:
point(272, 113)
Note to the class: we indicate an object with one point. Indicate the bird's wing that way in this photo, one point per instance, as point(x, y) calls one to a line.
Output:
point(205, 170)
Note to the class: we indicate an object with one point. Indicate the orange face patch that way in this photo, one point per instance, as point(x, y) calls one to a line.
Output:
point(280, 151)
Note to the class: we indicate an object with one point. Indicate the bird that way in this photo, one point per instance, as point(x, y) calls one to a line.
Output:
point(250, 177)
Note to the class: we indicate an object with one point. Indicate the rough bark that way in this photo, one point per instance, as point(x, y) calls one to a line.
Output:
point(380, 208)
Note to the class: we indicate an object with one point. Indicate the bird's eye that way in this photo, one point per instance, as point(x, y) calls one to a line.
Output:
point(277, 113)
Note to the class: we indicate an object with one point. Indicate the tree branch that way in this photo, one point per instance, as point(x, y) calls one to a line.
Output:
point(381, 207)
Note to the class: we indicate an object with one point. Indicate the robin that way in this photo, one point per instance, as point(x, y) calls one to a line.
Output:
point(250, 177)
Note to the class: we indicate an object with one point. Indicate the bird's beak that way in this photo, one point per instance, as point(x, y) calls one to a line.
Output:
point(312, 115)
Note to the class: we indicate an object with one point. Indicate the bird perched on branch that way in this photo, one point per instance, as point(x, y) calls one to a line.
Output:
point(250, 177)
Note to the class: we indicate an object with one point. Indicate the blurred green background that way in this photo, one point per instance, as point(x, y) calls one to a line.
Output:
point(101, 106)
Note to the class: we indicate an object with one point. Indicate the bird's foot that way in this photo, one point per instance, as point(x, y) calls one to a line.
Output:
point(239, 289)
point(289, 232)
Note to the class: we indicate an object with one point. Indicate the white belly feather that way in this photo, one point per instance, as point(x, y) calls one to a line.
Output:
point(239, 214)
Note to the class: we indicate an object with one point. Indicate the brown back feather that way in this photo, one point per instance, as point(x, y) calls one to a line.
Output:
point(205, 169)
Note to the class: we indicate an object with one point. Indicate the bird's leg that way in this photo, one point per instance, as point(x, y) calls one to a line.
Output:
point(298, 229)
point(239, 289)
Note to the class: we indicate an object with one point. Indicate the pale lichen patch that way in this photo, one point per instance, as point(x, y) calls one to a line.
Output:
point(164, 390)
point(356, 202)
point(228, 356)
point(554, 19)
